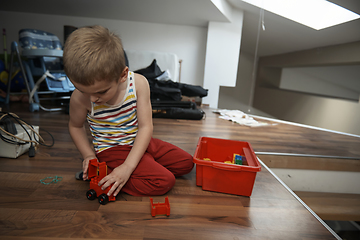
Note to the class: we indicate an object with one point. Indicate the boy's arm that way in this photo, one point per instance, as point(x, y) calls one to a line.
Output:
point(120, 175)
point(144, 117)
point(78, 112)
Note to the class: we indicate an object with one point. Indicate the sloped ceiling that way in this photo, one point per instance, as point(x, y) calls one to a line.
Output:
point(184, 12)
point(281, 35)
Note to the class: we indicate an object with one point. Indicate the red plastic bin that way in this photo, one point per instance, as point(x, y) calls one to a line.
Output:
point(217, 176)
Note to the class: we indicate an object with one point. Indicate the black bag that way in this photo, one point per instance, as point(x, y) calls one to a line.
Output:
point(151, 71)
point(158, 93)
point(177, 110)
point(185, 89)
point(168, 89)
point(159, 105)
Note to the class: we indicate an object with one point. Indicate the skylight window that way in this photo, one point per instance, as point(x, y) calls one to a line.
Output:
point(317, 14)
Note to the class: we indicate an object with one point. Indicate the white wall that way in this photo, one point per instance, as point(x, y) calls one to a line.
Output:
point(236, 97)
point(222, 56)
point(333, 81)
point(319, 111)
point(334, 114)
point(187, 42)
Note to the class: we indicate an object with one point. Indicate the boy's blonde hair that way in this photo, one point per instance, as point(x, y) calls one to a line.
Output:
point(93, 54)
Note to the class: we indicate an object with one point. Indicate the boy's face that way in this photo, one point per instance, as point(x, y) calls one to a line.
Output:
point(102, 92)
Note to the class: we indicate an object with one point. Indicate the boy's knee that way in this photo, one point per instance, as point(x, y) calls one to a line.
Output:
point(166, 185)
point(162, 185)
point(151, 187)
point(189, 164)
point(185, 166)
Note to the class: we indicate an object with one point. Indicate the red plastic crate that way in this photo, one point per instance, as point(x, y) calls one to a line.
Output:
point(217, 176)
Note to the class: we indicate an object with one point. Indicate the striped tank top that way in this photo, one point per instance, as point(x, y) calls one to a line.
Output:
point(115, 125)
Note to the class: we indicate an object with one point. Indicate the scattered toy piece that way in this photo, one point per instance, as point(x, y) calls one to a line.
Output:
point(53, 180)
point(160, 208)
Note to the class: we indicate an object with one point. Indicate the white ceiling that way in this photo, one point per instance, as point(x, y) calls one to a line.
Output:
point(180, 12)
point(281, 35)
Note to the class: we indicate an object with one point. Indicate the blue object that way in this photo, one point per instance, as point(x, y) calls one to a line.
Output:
point(43, 51)
point(47, 49)
point(238, 159)
point(38, 39)
point(2, 66)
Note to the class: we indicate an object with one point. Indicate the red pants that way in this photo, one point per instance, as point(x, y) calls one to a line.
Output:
point(157, 169)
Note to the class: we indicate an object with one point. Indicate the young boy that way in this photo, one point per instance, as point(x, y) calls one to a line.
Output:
point(116, 104)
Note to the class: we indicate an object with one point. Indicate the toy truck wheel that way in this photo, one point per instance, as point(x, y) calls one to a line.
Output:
point(91, 194)
point(103, 199)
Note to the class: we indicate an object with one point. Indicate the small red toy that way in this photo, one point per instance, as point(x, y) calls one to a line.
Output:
point(96, 172)
point(160, 208)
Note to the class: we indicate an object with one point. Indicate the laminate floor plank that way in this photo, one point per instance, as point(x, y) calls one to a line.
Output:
point(31, 210)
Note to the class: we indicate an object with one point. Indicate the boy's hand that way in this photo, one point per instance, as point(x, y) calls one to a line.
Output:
point(119, 176)
point(86, 166)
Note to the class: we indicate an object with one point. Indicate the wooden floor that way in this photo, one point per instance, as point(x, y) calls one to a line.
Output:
point(31, 210)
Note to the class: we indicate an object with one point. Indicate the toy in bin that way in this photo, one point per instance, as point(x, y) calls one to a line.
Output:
point(96, 172)
point(213, 171)
point(237, 159)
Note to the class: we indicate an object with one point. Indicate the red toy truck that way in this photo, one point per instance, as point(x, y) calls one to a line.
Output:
point(96, 172)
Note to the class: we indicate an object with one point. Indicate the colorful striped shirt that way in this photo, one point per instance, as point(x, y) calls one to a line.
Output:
point(115, 125)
